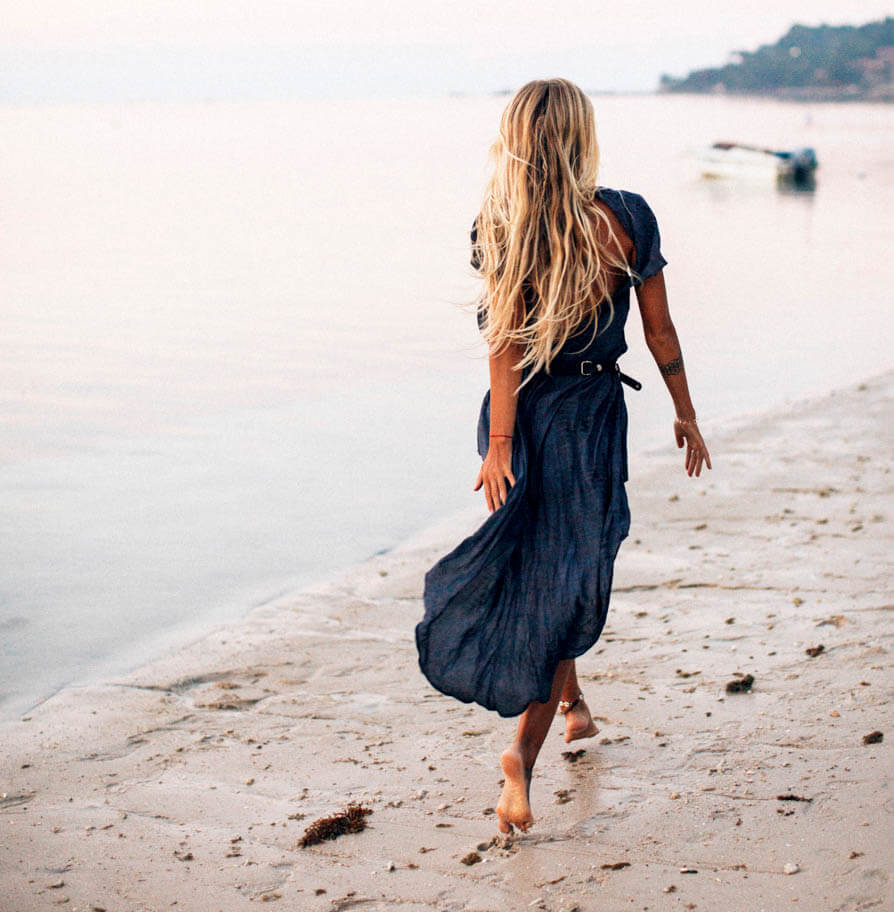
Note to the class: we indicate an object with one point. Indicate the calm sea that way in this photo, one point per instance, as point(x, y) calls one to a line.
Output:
point(233, 358)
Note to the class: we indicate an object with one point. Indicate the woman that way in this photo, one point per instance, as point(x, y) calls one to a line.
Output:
point(509, 609)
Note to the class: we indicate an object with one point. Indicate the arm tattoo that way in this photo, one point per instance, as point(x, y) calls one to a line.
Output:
point(672, 367)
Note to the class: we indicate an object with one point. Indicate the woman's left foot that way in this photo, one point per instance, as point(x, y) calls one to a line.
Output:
point(514, 808)
point(578, 721)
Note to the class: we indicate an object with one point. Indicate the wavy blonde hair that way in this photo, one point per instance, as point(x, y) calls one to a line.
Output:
point(545, 272)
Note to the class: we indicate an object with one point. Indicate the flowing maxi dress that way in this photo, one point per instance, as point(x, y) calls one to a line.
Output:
point(531, 586)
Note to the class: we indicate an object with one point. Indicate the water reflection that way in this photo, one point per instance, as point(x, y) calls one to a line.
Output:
point(797, 185)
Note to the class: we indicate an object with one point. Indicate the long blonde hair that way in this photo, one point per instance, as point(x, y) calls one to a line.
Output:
point(545, 273)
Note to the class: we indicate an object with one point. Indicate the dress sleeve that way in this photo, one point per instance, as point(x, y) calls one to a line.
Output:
point(647, 239)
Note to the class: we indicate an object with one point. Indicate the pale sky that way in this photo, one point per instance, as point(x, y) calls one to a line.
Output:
point(119, 49)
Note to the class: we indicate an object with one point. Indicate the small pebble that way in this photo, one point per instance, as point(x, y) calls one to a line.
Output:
point(391, 866)
point(471, 858)
point(873, 737)
point(790, 868)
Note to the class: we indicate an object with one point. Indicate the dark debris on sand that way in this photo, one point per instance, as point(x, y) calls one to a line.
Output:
point(573, 756)
point(873, 737)
point(740, 685)
point(350, 820)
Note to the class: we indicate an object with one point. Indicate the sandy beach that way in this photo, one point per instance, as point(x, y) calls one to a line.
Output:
point(188, 784)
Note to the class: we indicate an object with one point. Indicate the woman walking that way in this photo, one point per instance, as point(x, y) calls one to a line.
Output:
point(511, 607)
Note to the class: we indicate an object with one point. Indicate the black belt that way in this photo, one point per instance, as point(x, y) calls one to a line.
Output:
point(594, 369)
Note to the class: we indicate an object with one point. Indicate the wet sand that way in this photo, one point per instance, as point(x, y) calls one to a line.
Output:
point(189, 783)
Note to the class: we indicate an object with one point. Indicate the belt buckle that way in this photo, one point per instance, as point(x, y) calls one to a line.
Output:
point(589, 373)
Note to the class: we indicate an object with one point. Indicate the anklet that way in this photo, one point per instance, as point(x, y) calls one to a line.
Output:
point(566, 706)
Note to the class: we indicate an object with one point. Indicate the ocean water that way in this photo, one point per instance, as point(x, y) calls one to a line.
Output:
point(234, 358)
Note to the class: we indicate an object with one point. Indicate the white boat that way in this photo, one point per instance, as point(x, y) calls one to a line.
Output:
point(741, 161)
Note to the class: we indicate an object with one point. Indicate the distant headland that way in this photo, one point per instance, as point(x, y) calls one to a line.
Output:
point(821, 63)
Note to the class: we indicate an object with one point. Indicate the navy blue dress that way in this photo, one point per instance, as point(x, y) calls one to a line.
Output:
point(531, 586)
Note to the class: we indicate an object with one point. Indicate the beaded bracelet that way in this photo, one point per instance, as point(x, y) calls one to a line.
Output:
point(691, 420)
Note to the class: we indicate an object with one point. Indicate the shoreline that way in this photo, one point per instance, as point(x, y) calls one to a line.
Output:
point(132, 506)
point(169, 642)
point(192, 778)
point(807, 96)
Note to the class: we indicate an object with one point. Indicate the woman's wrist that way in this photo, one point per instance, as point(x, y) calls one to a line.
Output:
point(500, 443)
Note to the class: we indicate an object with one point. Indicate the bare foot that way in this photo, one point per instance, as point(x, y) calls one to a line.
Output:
point(579, 723)
point(514, 808)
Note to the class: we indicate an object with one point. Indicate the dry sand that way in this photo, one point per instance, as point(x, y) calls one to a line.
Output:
point(188, 784)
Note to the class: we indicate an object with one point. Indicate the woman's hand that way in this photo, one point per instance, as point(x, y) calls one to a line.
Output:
point(687, 433)
point(496, 470)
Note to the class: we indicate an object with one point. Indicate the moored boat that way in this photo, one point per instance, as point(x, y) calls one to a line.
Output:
point(739, 160)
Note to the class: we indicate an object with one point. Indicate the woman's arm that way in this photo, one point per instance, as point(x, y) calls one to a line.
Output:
point(496, 469)
point(661, 337)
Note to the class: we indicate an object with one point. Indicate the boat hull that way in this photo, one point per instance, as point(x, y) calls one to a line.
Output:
point(732, 162)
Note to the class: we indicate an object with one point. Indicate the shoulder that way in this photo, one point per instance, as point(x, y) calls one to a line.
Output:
point(633, 205)
point(640, 221)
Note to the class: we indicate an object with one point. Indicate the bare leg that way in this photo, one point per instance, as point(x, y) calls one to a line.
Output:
point(517, 761)
point(578, 721)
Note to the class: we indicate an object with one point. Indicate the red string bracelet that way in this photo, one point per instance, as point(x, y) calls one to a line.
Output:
point(502, 435)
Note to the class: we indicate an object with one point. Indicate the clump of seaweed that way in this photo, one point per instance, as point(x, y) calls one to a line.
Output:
point(350, 820)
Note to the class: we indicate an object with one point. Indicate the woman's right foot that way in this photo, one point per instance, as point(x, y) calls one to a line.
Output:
point(514, 808)
point(578, 721)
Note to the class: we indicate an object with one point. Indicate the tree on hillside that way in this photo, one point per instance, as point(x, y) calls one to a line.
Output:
point(823, 56)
